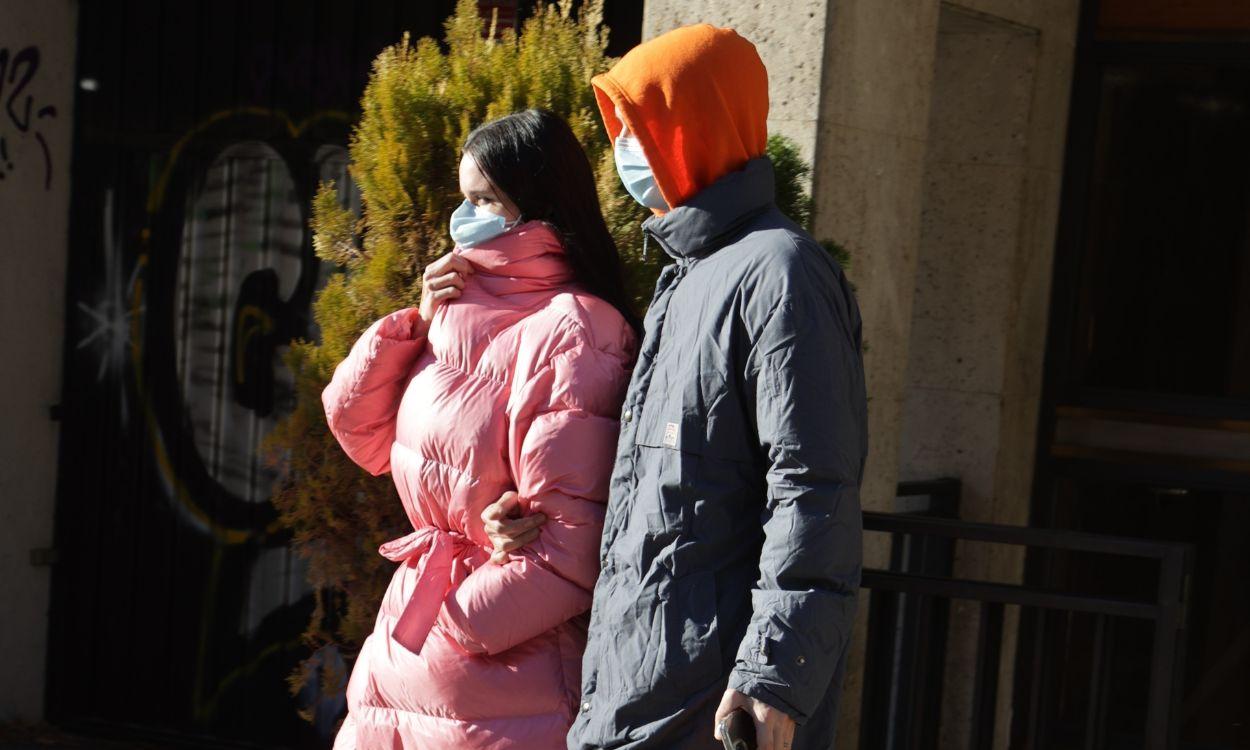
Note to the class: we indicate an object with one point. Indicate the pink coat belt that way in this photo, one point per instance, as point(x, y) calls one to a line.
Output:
point(435, 553)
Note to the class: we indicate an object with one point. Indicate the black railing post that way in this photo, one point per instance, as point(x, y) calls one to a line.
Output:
point(1039, 714)
point(1166, 612)
point(985, 688)
point(1096, 713)
point(1165, 677)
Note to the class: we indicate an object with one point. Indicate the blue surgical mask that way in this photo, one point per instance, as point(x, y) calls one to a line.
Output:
point(635, 172)
point(473, 225)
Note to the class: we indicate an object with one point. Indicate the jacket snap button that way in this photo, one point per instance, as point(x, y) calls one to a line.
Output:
point(586, 706)
point(628, 415)
point(801, 661)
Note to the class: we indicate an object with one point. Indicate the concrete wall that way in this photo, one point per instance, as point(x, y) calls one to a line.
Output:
point(991, 191)
point(34, 220)
point(790, 37)
point(876, 92)
point(936, 131)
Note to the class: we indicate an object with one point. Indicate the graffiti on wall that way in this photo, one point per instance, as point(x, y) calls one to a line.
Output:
point(230, 276)
point(20, 114)
point(109, 317)
point(188, 324)
point(234, 276)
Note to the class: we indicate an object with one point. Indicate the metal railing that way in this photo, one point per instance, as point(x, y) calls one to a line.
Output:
point(903, 676)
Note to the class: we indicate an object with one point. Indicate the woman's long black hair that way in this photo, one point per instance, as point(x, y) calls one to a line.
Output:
point(535, 159)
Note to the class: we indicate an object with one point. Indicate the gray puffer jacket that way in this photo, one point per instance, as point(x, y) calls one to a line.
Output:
point(731, 551)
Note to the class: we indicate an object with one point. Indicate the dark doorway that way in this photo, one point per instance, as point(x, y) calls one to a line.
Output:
point(1145, 426)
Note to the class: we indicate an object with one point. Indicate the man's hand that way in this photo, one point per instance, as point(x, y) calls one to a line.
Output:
point(507, 528)
point(774, 729)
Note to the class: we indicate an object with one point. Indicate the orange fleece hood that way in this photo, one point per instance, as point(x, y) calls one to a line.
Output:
point(696, 98)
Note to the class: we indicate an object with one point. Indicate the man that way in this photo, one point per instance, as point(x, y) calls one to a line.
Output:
point(731, 549)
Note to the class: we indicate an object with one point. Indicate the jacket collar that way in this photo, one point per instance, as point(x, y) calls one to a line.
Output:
point(702, 224)
point(528, 258)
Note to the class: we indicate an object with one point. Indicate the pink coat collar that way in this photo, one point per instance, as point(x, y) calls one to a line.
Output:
point(527, 258)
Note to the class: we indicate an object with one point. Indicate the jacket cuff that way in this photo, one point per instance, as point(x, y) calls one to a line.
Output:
point(784, 666)
point(752, 686)
point(403, 325)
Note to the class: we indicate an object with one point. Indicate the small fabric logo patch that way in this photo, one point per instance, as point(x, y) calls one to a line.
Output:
point(670, 435)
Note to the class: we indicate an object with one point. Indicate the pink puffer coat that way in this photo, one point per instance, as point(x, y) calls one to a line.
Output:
point(517, 385)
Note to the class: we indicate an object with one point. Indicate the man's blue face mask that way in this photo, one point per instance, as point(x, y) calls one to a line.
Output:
point(473, 225)
point(635, 172)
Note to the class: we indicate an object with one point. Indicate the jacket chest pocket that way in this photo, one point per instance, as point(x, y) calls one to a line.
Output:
point(678, 389)
point(698, 472)
point(697, 406)
point(666, 471)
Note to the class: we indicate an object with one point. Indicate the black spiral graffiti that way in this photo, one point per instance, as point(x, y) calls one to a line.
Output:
point(17, 71)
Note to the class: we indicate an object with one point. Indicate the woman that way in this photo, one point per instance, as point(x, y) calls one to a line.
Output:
point(508, 377)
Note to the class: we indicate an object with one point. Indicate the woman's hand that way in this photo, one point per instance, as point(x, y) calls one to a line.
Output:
point(507, 529)
point(443, 280)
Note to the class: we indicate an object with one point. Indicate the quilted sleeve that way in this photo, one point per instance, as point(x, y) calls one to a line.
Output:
point(806, 374)
point(363, 395)
point(563, 426)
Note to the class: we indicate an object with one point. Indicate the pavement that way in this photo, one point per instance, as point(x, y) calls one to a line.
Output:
point(42, 736)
